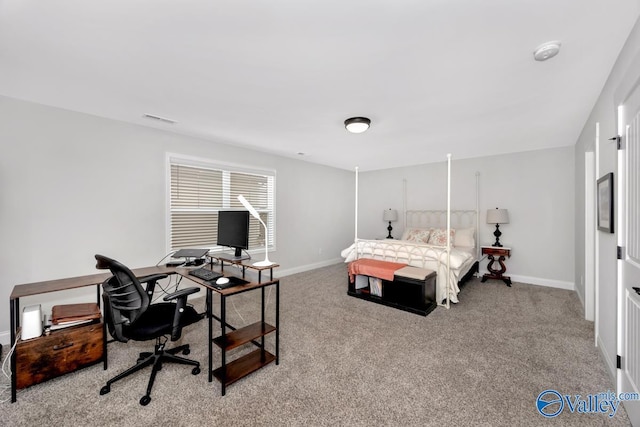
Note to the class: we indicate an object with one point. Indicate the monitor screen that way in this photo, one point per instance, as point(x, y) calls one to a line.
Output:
point(233, 231)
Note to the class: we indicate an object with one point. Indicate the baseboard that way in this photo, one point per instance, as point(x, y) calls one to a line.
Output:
point(581, 298)
point(539, 281)
point(307, 267)
point(608, 362)
point(5, 340)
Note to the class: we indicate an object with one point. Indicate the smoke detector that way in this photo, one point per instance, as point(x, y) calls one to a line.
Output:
point(546, 51)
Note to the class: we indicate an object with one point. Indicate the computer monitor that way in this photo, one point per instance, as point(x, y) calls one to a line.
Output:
point(233, 231)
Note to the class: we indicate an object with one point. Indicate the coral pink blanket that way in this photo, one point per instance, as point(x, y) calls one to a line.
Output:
point(373, 267)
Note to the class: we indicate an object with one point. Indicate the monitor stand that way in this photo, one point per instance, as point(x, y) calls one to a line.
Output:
point(231, 257)
point(238, 255)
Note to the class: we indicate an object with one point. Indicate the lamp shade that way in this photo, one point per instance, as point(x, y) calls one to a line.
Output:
point(248, 206)
point(390, 215)
point(256, 215)
point(497, 216)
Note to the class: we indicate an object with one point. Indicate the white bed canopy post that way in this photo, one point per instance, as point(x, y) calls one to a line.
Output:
point(355, 237)
point(448, 226)
point(404, 204)
point(478, 219)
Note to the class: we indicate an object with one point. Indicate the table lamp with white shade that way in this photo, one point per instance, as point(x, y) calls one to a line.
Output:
point(390, 215)
point(256, 215)
point(497, 216)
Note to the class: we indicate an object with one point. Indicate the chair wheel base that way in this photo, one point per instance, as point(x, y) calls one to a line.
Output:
point(195, 371)
point(104, 390)
point(144, 400)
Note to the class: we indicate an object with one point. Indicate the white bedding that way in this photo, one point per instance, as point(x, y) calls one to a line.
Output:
point(419, 255)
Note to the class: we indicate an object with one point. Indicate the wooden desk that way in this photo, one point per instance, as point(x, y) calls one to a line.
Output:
point(227, 373)
point(36, 288)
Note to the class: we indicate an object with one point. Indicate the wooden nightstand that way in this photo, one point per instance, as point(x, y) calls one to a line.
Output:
point(496, 253)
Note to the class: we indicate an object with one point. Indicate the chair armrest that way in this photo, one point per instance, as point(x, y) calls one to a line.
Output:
point(181, 293)
point(181, 303)
point(152, 277)
point(151, 281)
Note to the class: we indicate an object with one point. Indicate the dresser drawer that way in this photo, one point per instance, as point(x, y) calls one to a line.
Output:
point(497, 251)
point(61, 352)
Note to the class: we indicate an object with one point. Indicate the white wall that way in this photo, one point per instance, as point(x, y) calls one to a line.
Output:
point(604, 113)
point(536, 187)
point(73, 185)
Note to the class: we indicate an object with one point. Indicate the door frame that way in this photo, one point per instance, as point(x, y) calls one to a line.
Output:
point(628, 84)
point(590, 236)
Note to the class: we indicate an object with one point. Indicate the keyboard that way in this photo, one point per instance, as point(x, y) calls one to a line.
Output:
point(205, 274)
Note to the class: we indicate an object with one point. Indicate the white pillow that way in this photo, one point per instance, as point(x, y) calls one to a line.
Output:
point(439, 236)
point(465, 237)
point(418, 235)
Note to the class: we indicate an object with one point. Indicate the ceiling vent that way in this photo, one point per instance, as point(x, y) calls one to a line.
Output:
point(160, 119)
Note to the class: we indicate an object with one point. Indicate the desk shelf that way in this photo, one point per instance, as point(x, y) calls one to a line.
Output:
point(231, 371)
point(243, 366)
point(244, 265)
point(243, 335)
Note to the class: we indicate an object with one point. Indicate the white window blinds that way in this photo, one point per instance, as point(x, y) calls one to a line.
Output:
point(198, 192)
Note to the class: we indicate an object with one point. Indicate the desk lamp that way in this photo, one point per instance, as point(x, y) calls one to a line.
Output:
point(390, 215)
point(497, 216)
point(254, 213)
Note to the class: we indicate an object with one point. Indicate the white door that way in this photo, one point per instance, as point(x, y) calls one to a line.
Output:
point(629, 238)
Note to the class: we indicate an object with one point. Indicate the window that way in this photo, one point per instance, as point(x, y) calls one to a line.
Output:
point(198, 190)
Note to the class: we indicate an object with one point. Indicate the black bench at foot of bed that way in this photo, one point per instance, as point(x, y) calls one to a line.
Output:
point(413, 289)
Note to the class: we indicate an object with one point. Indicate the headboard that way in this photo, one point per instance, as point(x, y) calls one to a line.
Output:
point(438, 219)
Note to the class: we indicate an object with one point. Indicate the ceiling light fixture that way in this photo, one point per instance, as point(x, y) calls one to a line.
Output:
point(357, 124)
point(546, 51)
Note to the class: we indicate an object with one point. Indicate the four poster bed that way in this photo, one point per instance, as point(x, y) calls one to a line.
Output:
point(436, 254)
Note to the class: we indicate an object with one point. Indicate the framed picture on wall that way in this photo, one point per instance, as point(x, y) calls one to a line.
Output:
point(605, 203)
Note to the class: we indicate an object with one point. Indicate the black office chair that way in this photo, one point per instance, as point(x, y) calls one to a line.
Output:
point(130, 315)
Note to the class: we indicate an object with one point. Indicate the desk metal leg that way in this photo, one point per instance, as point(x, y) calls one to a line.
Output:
point(209, 311)
point(15, 324)
point(262, 356)
point(223, 324)
point(277, 322)
point(104, 331)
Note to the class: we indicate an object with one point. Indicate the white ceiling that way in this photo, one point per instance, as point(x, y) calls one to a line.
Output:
point(434, 76)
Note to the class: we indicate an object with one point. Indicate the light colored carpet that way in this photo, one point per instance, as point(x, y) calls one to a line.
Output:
point(345, 361)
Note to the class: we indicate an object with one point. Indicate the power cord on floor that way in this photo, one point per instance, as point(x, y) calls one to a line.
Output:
point(266, 305)
point(6, 371)
point(237, 312)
